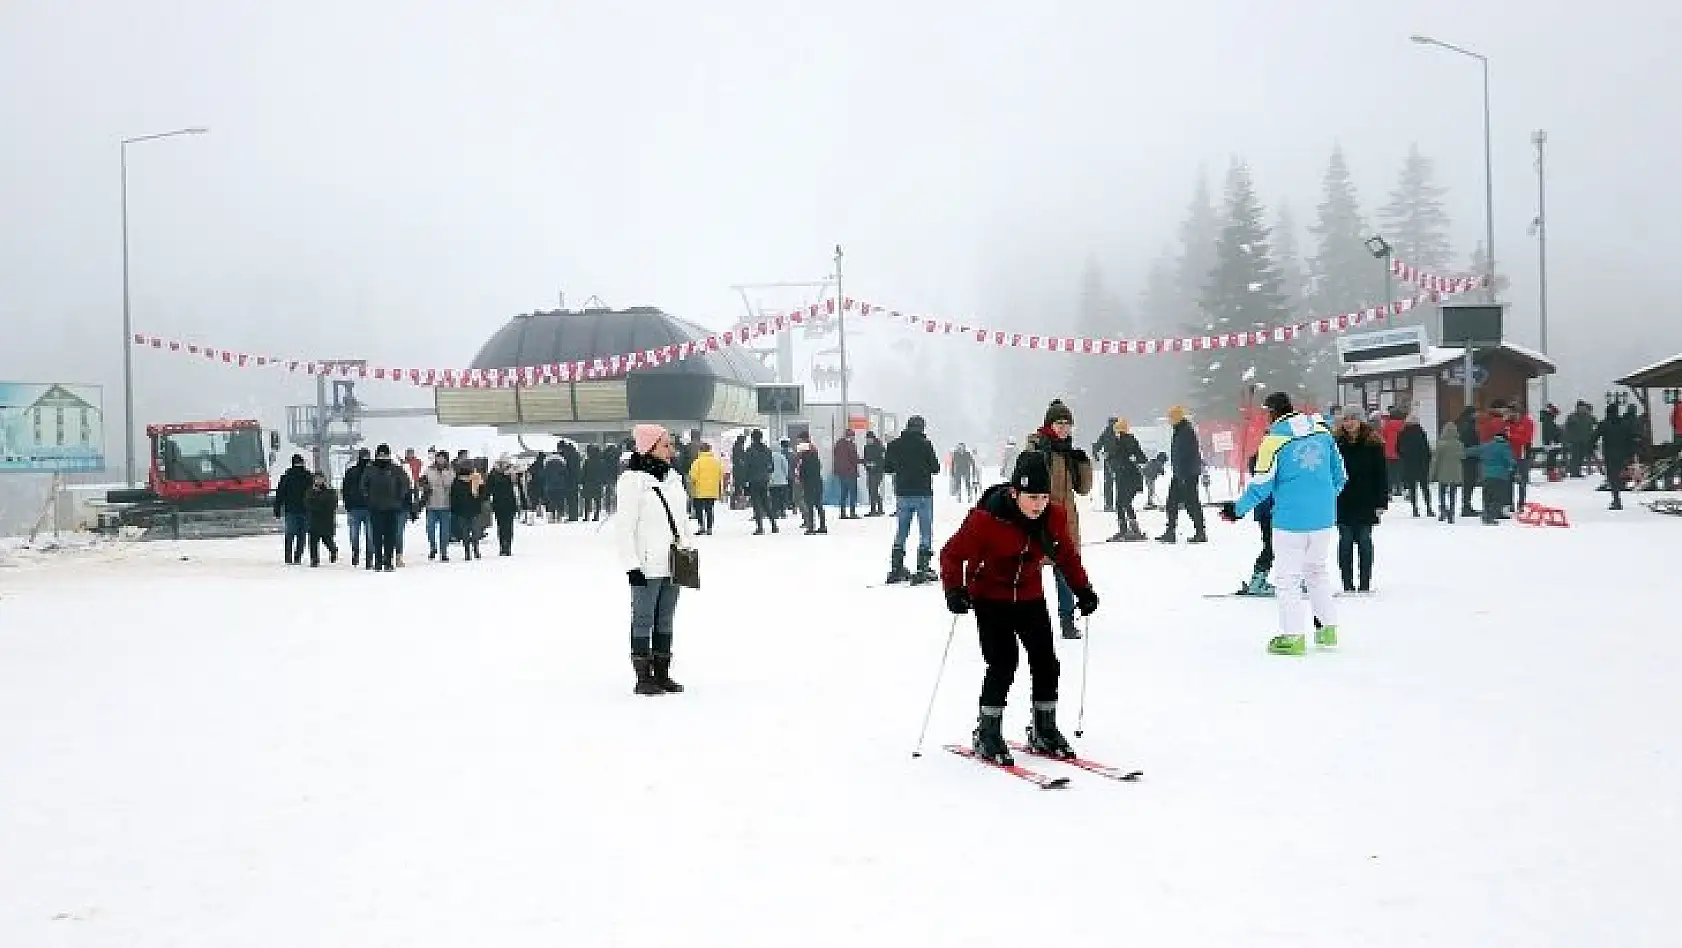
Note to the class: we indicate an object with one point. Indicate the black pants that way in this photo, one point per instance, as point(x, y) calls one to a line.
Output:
point(1521, 477)
point(1470, 475)
point(317, 541)
point(593, 502)
point(1575, 454)
point(384, 523)
point(875, 485)
point(571, 493)
point(760, 495)
point(1394, 470)
point(1615, 477)
point(1001, 625)
point(504, 530)
point(813, 510)
point(1264, 559)
point(1495, 493)
point(1447, 494)
point(704, 512)
point(1415, 488)
point(1126, 518)
point(1109, 487)
point(1182, 492)
point(1353, 537)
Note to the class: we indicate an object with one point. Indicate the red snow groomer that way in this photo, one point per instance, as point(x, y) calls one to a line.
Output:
point(204, 479)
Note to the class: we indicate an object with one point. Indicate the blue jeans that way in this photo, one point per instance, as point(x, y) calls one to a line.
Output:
point(438, 531)
point(923, 509)
point(297, 525)
point(360, 525)
point(1065, 595)
point(652, 609)
point(849, 495)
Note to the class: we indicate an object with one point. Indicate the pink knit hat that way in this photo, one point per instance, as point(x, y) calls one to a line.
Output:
point(646, 437)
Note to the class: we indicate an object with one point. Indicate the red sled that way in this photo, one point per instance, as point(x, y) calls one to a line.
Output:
point(1539, 515)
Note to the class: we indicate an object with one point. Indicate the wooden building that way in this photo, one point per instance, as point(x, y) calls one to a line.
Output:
point(1429, 383)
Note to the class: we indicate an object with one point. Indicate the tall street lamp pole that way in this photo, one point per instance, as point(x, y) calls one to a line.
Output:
point(1488, 161)
point(128, 325)
point(1540, 139)
point(841, 314)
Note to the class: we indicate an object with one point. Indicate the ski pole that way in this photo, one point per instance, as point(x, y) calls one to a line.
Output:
point(918, 752)
point(1085, 660)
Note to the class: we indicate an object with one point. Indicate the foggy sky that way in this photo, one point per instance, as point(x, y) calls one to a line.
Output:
point(393, 181)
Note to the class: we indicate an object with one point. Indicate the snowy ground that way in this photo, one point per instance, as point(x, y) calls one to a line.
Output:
point(199, 747)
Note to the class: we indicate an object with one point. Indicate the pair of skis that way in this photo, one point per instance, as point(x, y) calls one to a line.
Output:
point(1047, 781)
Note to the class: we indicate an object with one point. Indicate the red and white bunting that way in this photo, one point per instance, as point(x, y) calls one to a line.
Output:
point(1432, 283)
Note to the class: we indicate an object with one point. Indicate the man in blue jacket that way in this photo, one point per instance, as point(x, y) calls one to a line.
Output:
point(1298, 466)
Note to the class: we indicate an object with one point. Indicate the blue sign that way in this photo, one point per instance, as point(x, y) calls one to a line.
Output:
point(51, 428)
point(1456, 375)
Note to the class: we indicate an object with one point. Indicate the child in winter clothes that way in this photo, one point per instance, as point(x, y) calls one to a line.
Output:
point(1498, 468)
point(321, 504)
point(992, 564)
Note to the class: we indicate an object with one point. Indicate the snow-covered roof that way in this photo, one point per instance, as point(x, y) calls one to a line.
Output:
point(1436, 357)
point(1664, 373)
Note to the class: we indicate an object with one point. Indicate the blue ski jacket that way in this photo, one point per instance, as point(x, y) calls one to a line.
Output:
point(1299, 467)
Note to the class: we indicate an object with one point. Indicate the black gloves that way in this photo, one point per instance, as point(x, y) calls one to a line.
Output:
point(636, 577)
point(1086, 601)
point(957, 601)
point(1079, 456)
point(1229, 512)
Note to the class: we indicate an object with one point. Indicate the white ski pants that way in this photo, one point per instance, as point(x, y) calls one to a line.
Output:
point(1299, 560)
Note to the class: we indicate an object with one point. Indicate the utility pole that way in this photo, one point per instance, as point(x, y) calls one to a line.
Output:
point(841, 315)
point(1540, 139)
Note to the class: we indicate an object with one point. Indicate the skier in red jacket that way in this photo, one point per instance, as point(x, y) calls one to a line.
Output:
point(993, 564)
point(1521, 434)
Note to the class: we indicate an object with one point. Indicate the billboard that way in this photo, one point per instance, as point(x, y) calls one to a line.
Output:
point(51, 428)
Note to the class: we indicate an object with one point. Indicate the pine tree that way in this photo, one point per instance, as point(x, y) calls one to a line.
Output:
point(1480, 267)
point(1244, 292)
point(1096, 383)
point(1344, 275)
point(1414, 221)
point(1158, 381)
point(1198, 234)
point(1293, 278)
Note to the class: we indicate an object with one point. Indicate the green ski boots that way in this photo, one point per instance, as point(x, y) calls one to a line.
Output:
point(1287, 645)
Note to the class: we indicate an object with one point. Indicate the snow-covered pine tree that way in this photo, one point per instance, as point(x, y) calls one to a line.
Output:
point(1244, 292)
point(1414, 221)
point(1344, 274)
point(1099, 385)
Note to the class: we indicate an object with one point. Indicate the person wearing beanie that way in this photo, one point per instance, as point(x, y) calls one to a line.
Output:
point(1124, 461)
point(501, 492)
point(809, 472)
point(1071, 474)
point(755, 475)
point(387, 486)
point(649, 523)
point(1299, 469)
point(289, 501)
point(355, 500)
point(1186, 459)
point(845, 467)
point(874, 452)
point(992, 566)
point(912, 461)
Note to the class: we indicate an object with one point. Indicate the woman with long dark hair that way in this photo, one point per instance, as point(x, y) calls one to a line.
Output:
point(1363, 499)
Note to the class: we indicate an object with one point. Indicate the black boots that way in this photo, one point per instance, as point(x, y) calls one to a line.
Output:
point(1043, 736)
point(646, 684)
point(896, 570)
point(1070, 631)
point(662, 673)
point(924, 573)
point(1198, 537)
point(988, 742)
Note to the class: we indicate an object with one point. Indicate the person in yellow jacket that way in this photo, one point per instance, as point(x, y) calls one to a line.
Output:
point(706, 485)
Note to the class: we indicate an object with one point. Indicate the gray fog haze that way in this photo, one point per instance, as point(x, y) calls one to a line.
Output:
point(395, 180)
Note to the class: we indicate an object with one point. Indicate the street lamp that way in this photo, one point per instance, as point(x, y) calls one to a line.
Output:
point(841, 313)
point(1488, 162)
point(1380, 248)
point(128, 326)
point(1539, 227)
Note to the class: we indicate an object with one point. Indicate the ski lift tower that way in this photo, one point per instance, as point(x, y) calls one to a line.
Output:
point(333, 425)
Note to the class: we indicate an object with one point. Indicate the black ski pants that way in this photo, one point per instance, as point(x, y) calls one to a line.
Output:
point(813, 509)
point(504, 530)
point(1182, 492)
point(874, 482)
point(1471, 474)
point(759, 493)
point(386, 525)
point(317, 541)
point(1001, 625)
point(704, 513)
point(1264, 559)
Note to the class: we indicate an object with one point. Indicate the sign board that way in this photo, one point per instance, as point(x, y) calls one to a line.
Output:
point(1368, 346)
point(780, 399)
point(51, 428)
point(1475, 323)
point(1221, 441)
point(1455, 374)
point(859, 422)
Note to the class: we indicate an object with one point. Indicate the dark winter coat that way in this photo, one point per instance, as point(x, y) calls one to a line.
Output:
point(386, 485)
point(1368, 490)
point(1579, 428)
point(756, 466)
point(555, 478)
point(322, 504)
point(1184, 451)
point(810, 471)
point(1617, 441)
point(1414, 450)
point(1127, 459)
point(963, 465)
point(1071, 473)
point(535, 478)
point(846, 455)
point(463, 501)
point(1551, 431)
point(873, 453)
point(289, 493)
point(910, 458)
point(596, 472)
point(1468, 425)
point(1106, 447)
point(997, 553)
point(499, 488)
point(351, 488)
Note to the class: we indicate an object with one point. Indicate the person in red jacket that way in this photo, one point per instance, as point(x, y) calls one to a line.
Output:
point(846, 470)
point(1521, 433)
point(993, 565)
point(1390, 430)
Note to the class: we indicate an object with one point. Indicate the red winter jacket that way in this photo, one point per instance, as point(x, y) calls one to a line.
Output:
point(1490, 424)
point(1390, 429)
point(846, 457)
point(1521, 432)
point(997, 553)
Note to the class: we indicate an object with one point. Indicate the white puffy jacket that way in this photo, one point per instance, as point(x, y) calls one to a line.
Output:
point(644, 536)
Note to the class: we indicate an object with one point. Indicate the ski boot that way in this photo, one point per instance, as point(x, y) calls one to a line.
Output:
point(1257, 586)
point(1167, 537)
point(1120, 537)
point(988, 742)
point(1287, 645)
point(896, 571)
point(644, 667)
point(1070, 630)
point(1043, 736)
point(1198, 537)
point(661, 671)
point(1325, 636)
point(924, 573)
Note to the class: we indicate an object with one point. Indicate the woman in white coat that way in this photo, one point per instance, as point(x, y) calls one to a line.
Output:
point(645, 541)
